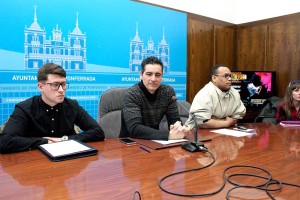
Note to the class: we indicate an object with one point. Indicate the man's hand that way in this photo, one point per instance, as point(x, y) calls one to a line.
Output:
point(177, 131)
point(219, 123)
point(53, 139)
point(231, 121)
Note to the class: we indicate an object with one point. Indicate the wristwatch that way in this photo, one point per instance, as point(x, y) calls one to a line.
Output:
point(64, 138)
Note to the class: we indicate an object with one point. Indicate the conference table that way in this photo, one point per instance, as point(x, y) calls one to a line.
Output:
point(119, 170)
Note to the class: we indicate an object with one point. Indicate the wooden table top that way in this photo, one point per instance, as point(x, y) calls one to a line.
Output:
point(118, 170)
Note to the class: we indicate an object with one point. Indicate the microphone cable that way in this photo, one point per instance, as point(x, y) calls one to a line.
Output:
point(264, 186)
point(184, 171)
point(138, 194)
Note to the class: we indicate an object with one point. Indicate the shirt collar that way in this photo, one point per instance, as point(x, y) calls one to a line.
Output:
point(48, 108)
point(220, 92)
point(149, 96)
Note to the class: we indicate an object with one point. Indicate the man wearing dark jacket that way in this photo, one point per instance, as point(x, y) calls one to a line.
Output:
point(49, 117)
point(145, 104)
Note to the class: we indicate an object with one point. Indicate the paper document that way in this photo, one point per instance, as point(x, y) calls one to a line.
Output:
point(64, 148)
point(231, 132)
point(290, 123)
point(169, 141)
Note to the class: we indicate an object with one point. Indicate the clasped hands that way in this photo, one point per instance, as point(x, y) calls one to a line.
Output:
point(177, 131)
point(53, 139)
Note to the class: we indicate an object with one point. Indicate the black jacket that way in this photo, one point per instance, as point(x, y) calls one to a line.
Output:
point(33, 119)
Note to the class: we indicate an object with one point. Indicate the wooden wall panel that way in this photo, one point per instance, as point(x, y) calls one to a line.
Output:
point(271, 45)
point(200, 55)
point(284, 52)
point(225, 46)
point(251, 48)
point(209, 42)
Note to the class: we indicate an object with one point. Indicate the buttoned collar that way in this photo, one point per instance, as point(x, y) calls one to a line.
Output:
point(48, 108)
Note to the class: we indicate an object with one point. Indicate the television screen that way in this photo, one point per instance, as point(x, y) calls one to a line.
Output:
point(255, 87)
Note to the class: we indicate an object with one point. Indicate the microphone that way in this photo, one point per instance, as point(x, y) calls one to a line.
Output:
point(195, 145)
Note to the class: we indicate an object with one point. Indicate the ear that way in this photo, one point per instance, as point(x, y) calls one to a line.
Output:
point(40, 87)
point(141, 74)
point(213, 78)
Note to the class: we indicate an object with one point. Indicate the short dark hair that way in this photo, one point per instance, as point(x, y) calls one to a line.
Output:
point(50, 68)
point(151, 60)
point(214, 70)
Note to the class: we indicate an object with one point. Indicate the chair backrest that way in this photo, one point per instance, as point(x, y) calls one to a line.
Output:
point(109, 111)
point(183, 110)
point(268, 112)
point(3, 125)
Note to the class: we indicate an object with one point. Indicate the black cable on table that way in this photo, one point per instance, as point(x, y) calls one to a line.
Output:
point(263, 186)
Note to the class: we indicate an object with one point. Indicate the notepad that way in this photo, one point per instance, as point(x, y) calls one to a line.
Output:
point(290, 123)
point(231, 132)
point(170, 141)
point(66, 150)
point(248, 130)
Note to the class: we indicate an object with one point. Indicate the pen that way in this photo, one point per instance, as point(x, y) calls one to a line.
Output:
point(143, 148)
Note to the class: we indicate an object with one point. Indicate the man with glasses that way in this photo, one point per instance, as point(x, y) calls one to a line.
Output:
point(49, 117)
point(217, 104)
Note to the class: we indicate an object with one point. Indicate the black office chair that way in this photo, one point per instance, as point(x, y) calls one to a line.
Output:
point(109, 111)
point(268, 112)
point(3, 125)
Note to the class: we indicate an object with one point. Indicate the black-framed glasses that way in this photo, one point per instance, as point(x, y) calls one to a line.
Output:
point(225, 75)
point(294, 82)
point(55, 85)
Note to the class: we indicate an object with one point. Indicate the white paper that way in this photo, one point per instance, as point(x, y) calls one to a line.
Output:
point(290, 125)
point(231, 132)
point(249, 130)
point(169, 141)
point(64, 147)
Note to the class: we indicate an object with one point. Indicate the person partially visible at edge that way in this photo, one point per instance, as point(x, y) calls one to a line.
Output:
point(289, 109)
point(49, 117)
point(217, 104)
point(145, 104)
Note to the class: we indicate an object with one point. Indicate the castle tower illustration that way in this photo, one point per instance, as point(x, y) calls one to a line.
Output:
point(138, 52)
point(38, 50)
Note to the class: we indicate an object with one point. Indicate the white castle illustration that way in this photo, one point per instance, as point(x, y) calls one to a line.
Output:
point(138, 52)
point(70, 54)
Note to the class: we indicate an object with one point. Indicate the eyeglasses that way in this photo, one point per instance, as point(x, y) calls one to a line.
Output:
point(294, 82)
point(225, 75)
point(55, 86)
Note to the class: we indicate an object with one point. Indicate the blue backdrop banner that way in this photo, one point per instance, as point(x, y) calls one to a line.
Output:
point(99, 43)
